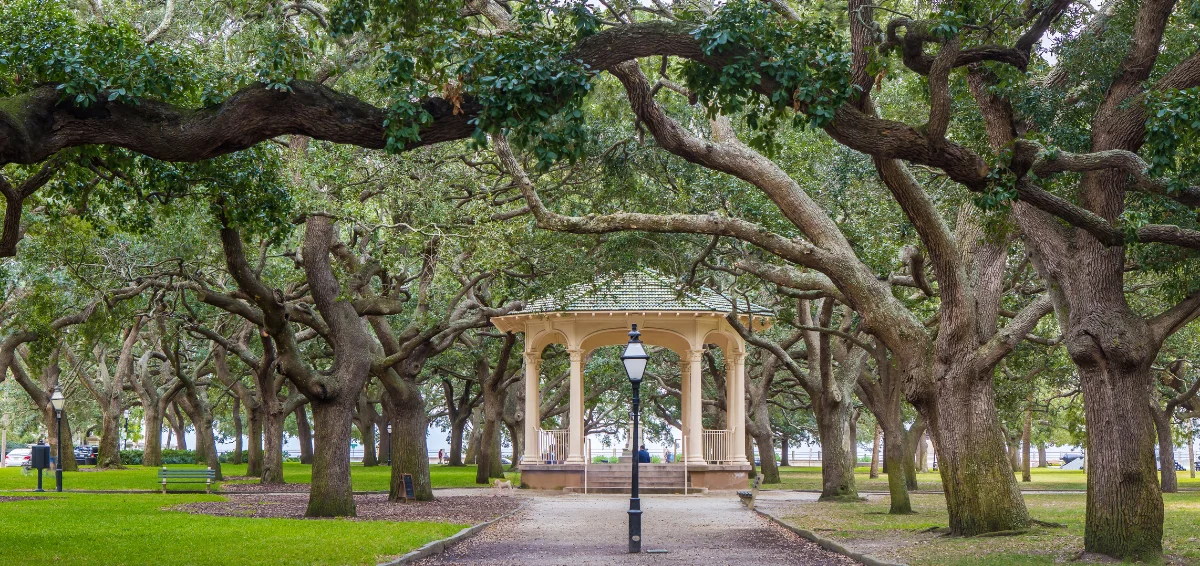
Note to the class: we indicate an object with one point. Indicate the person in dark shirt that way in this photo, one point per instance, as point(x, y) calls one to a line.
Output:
point(643, 455)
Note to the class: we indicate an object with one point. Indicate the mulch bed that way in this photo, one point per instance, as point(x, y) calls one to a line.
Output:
point(256, 487)
point(4, 498)
point(468, 509)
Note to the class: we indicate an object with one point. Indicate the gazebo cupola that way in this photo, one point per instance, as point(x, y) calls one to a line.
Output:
point(587, 316)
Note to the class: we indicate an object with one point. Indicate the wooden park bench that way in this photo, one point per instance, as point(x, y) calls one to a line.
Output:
point(205, 477)
point(748, 496)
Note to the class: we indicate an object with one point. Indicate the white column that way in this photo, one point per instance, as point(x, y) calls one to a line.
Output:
point(532, 405)
point(735, 383)
point(575, 450)
point(684, 412)
point(695, 425)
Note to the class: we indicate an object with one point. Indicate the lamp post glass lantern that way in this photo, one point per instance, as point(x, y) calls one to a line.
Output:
point(635, 358)
point(58, 402)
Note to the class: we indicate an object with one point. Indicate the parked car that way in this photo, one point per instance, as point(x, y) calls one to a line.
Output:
point(19, 457)
point(86, 455)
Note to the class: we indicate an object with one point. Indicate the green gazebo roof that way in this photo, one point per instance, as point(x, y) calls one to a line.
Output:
point(642, 290)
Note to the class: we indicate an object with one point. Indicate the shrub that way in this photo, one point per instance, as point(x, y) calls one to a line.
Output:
point(134, 457)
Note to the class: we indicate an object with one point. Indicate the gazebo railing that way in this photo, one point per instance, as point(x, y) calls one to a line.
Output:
point(553, 446)
point(716, 446)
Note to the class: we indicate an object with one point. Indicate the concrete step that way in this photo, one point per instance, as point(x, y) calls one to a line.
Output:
point(626, 484)
point(641, 490)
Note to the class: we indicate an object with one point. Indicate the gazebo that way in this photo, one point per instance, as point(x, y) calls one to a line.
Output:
point(592, 315)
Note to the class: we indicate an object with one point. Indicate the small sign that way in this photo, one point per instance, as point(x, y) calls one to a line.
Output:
point(409, 491)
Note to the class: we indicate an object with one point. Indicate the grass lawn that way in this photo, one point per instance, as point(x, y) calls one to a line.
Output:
point(809, 478)
point(374, 478)
point(866, 527)
point(83, 528)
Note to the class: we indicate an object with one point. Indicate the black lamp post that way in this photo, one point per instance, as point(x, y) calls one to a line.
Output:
point(389, 430)
point(635, 359)
point(57, 401)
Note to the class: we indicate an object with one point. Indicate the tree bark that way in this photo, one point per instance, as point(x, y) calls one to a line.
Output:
point(981, 491)
point(272, 454)
point(178, 425)
point(875, 446)
point(1026, 434)
point(152, 455)
point(195, 404)
point(1166, 449)
point(237, 431)
point(783, 451)
point(894, 454)
point(332, 494)
point(410, 452)
point(254, 453)
point(457, 428)
point(304, 435)
point(833, 426)
point(109, 455)
point(1042, 462)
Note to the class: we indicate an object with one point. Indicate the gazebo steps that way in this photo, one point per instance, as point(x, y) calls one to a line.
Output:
point(642, 489)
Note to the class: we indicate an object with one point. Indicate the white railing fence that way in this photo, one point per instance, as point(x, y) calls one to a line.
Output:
point(716, 446)
point(553, 446)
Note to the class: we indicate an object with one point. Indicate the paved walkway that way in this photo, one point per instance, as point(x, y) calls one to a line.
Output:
point(709, 530)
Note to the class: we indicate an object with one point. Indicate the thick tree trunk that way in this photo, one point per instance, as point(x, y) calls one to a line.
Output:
point(1042, 462)
point(921, 456)
point(1026, 433)
point(1192, 452)
point(68, 451)
point(110, 438)
point(457, 428)
point(981, 491)
point(875, 451)
point(913, 456)
point(366, 429)
point(1166, 450)
point(410, 452)
point(332, 494)
point(304, 435)
point(254, 454)
point(152, 455)
point(893, 453)
point(1014, 452)
point(833, 427)
point(766, 451)
point(272, 454)
point(515, 432)
point(1113, 353)
point(783, 451)
point(237, 431)
point(179, 425)
point(487, 457)
point(385, 441)
point(758, 424)
point(199, 411)
point(475, 436)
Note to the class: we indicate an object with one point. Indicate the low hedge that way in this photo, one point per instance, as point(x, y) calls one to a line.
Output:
point(169, 456)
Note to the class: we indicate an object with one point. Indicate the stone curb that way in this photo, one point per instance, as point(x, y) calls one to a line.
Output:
point(440, 546)
point(826, 543)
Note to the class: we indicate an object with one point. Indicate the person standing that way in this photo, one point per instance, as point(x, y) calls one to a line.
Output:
point(441, 455)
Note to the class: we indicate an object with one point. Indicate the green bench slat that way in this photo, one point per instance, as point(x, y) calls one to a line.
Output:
point(206, 477)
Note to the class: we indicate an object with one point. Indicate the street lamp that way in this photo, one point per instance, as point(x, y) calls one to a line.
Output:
point(57, 401)
point(635, 359)
point(389, 430)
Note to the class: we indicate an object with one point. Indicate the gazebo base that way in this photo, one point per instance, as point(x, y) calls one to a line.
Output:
point(663, 478)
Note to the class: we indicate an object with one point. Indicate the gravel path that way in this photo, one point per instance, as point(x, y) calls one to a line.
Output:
point(585, 530)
